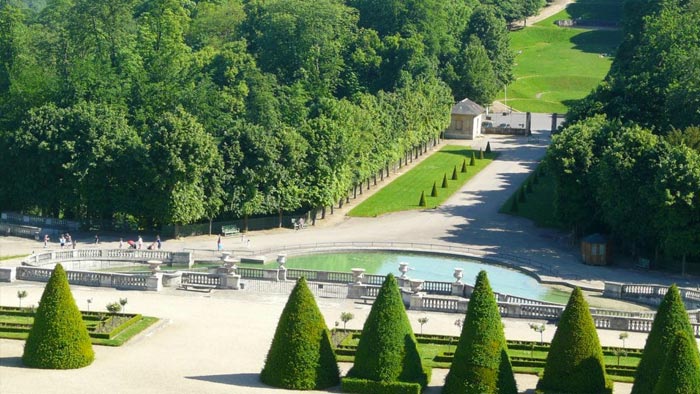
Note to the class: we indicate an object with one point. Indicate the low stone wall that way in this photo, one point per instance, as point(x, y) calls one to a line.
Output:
point(649, 294)
point(108, 255)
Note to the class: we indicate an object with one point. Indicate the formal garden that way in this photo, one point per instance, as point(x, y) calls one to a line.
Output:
point(388, 357)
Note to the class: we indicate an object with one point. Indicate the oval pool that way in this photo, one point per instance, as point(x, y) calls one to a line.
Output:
point(430, 267)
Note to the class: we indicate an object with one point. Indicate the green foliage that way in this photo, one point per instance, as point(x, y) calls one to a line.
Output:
point(681, 373)
point(364, 386)
point(671, 317)
point(434, 192)
point(454, 174)
point(514, 204)
point(387, 351)
point(481, 154)
point(481, 363)
point(521, 194)
point(301, 356)
point(444, 181)
point(472, 161)
point(464, 166)
point(422, 202)
point(528, 186)
point(575, 360)
point(58, 339)
point(488, 147)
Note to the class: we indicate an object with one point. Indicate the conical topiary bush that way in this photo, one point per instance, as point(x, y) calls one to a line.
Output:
point(454, 173)
point(670, 318)
point(575, 359)
point(472, 161)
point(422, 202)
point(464, 165)
point(681, 373)
point(521, 195)
point(301, 356)
point(481, 364)
point(387, 351)
point(433, 193)
point(528, 186)
point(488, 147)
point(58, 338)
point(514, 204)
point(444, 181)
point(481, 154)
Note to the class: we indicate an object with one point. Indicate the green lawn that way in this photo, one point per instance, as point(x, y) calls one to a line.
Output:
point(403, 193)
point(555, 65)
point(539, 203)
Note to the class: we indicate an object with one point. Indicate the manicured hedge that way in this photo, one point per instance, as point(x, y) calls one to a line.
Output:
point(575, 359)
point(681, 373)
point(58, 338)
point(481, 363)
point(387, 350)
point(670, 318)
point(364, 386)
point(301, 356)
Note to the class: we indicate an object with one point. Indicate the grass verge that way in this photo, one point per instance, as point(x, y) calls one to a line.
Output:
point(539, 200)
point(556, 65)
point(404, 192)
point(17, 256)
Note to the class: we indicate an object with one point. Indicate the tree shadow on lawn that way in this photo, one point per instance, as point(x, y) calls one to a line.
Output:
point(598, 41)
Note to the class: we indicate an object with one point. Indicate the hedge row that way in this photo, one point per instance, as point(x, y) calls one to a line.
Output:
point(19, 327)
point(364, 386)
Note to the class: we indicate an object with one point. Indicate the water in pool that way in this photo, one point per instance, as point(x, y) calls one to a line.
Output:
point(430, 267)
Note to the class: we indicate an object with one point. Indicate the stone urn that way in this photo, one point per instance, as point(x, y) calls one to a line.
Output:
point(154, 266)
point(225, 256)
point(416, 285)
point(282, 260)
point(458, 274)
point(357, 275)
point(403, 269)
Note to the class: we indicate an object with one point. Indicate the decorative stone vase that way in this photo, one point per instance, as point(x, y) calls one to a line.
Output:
point(403, 269)
point(416, 285)
point(357, 275)
point(154, 266)
point(282, 259)
point(458, 274)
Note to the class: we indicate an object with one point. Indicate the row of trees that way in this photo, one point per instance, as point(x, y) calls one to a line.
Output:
point(167, 112)
point(629, 161)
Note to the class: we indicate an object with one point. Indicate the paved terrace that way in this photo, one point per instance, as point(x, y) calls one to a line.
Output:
point(217, 343)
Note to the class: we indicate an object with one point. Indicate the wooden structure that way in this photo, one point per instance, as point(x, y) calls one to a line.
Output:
point(595, 250)
point(465, 121)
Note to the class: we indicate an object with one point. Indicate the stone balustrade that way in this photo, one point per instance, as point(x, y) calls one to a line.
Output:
point(68, 256)
point(649, 294)
point(88, 278)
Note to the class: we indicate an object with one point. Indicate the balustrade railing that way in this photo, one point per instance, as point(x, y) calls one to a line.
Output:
point(124, 281)
point(193, 278)
point(434, 287)
point(130, 255)
point(439, 304)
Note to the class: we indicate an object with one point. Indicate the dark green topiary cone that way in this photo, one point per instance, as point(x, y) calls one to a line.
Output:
point(422, 202)
point(481, 363)
point(670, 318)
point(454, 173)
point(575, 359)
point(521, 194)
point(301, 356)
point(472, 161)
point(464, 165)
point(488, 147)
point(434, 192)
point(387, 351)
point(481, 154)
point(58, 338)
point(444, 181)
point(681, 373)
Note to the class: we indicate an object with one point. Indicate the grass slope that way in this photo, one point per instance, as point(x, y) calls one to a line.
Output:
point(404, 192)
point(555, 65)
point(539, 204)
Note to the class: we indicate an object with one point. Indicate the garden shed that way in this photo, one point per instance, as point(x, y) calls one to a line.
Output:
point(465, 120)
point(595, 250)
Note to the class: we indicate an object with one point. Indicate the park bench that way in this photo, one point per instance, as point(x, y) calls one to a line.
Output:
point(367, 299)
point(230, 230)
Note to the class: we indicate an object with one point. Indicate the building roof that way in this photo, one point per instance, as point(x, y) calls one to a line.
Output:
point(467, 107)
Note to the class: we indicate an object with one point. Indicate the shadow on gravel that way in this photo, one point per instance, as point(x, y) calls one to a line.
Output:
point(244, 380)
point(12, 362)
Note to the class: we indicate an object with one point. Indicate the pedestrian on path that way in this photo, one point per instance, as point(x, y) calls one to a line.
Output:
point(219, 245)
point(139, 242)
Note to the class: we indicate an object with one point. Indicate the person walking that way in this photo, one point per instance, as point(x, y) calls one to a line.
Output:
point(160, 244)
point(139, 242)
point(121, 243)
point(46, 240)
point(219, 245)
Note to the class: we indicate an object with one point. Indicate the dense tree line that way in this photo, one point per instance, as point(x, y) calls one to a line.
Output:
point(170, 111)
point(629, 162)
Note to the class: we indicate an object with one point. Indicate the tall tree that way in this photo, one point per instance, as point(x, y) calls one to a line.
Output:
point(493, 33)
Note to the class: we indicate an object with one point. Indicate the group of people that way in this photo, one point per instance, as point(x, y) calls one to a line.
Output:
point(138, 244)
point(64, 240)
point(298, 223)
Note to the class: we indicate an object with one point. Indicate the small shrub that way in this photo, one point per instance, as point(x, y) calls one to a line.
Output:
point(301, 356)
point(444, 181)
point(481, 154)
point(434, 193)
point(454, 173)
point(345, 317)
point(464, 166)
point(422, 202)
point(364, 386)
point(472, 161)
point(21, 294)
point(488, 147)
point(58, 338)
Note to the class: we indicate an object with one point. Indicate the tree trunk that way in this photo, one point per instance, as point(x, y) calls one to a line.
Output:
point(279, 216)
point(374, 179)
point(245, 223)
point(332, 211)
point(387, 170)
point(360, 187)
point(367, 183)
point(323, 212)
point(340, 203)
point(354, 191)
point(210, 224)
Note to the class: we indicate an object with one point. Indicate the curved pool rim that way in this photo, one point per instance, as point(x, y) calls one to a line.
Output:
point(524, 265)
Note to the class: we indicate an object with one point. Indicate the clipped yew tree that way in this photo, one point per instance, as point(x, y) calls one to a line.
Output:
point(301, 356)
point(575, 359)
point(58, 338)
point(481, 364)
point(670, 318)
point(680, 373)
point(387, 351)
